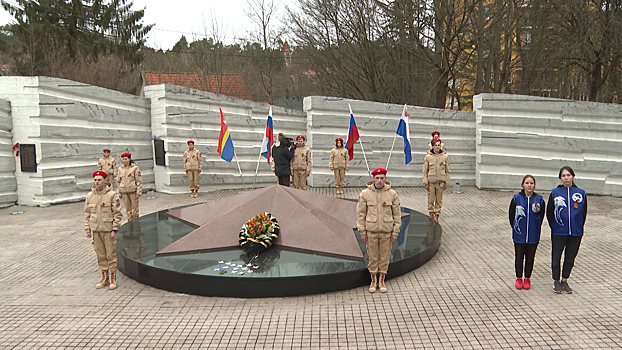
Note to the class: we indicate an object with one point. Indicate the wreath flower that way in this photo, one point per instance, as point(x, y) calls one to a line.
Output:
point(259, 233)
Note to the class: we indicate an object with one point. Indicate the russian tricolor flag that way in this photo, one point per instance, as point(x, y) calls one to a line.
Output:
point(353, 135)
point(404, 131)
point(268, 138)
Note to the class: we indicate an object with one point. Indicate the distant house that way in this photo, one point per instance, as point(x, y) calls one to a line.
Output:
point(224, 84)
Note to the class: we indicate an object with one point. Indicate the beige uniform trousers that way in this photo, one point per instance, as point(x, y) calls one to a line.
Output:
point(300, 179)
point(378, 252)
point(435, 198)
point(106, 251)
point(193, 179)
point(340, 175)
point(131, 205)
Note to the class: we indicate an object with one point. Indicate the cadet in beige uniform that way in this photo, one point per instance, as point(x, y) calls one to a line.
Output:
point(379, 220)
point(301, 163)
point(339, 163)
point(435, 177)
point(108, 165)
point(193, 163)
point(103, 217)
point(129, 185)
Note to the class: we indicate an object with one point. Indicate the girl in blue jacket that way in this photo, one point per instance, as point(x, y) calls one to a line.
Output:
point(526, 215)
point(566, 215)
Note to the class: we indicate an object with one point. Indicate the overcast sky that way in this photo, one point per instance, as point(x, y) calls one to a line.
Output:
point(192, 18)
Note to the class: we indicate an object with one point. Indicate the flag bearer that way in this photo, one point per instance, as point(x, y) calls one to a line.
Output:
point(339, 163)
point(193, 165)
point(301, 163)
point(435, 176)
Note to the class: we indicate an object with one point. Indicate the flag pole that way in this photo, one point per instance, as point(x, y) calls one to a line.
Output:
point(256, 170)
point(365, 156)
point(240, 169)
point(391, 151)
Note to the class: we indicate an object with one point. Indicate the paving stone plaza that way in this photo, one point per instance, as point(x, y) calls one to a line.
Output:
point(463, 298)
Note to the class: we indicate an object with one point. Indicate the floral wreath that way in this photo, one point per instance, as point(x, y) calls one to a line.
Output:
point(259, 233)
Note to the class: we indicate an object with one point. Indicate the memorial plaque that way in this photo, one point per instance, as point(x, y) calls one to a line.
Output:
point(160, 153)
point(28, 158)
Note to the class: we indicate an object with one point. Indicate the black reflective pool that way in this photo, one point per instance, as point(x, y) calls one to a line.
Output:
point(275, 272)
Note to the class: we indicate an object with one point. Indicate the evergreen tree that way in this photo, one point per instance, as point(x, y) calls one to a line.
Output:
point(47, 32)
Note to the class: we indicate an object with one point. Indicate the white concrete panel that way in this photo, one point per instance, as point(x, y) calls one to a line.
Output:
point(518, 135)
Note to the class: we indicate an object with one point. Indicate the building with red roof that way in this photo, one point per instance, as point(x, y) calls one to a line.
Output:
point(224, 84)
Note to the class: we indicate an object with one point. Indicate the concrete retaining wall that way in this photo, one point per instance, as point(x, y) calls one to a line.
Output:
point(8, 184)
point(179, 114)
point(70, 123)
point(329, 118)
point(518, 135)
point(506, 137)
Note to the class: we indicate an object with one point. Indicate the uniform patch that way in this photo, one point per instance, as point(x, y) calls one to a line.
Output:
point(103, 205)
point(138, 173)
point(118, 202)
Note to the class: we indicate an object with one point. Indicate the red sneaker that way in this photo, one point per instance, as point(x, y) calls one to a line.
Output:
point(527, 284)
point(519, 283)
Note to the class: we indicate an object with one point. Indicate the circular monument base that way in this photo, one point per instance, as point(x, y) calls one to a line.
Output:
point(277, 272)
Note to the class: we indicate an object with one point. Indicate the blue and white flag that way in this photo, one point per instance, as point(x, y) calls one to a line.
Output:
point(404, 131)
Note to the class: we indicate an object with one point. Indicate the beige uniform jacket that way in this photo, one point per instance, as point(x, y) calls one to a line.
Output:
point(435, 168)
point(378, 210)
point(129, 179)
point(302, 159)
point(339, 159)
point(102, 210)
point(107, 165)
point(192, 160)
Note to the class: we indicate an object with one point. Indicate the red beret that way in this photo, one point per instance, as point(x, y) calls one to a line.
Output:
point(436, 133)
point(434, 140)
point(126, 154)
point(379, 171)
point(339, 139)
point(106, 150)
point(190, 142)
point(100, 173)
point(300, 137)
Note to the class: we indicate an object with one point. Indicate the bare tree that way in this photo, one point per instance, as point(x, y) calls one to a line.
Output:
point(265, 59)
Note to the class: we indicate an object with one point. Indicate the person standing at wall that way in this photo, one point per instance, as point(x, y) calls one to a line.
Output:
point(339, 163)
point(437, 135)
point(282, 156)
point(108, 165)
point(193, 163)
point(526, 214)
point(130, 185)
point(379, 220)
point(102, 221)
point(566, 214)
point(301, 163)
point(435, 177)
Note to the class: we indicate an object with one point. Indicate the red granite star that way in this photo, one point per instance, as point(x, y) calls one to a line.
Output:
point(308, 221)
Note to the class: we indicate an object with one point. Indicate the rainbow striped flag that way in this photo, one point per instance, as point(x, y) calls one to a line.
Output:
point(225, 144)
